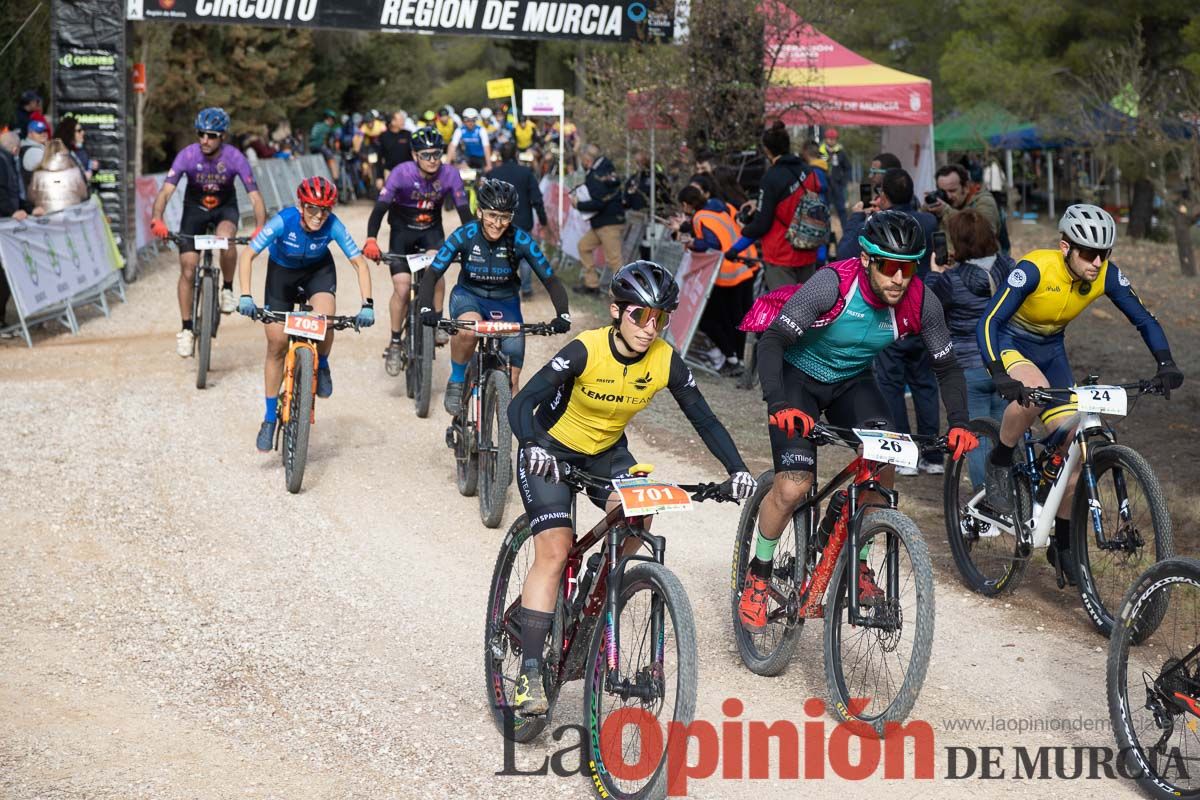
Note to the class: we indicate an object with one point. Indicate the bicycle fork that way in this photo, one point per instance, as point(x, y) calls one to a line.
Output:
point(289, 382)
point(614, 682)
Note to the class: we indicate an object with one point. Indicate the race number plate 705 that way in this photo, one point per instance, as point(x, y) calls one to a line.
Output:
point(307, 326)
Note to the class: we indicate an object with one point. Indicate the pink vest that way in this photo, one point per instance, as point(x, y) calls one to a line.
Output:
point(908, 311)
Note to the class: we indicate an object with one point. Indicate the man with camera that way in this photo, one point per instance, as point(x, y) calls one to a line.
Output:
point(907, 361)
point(956, 192)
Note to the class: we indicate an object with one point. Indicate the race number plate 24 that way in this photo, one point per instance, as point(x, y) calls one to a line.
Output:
point(418, 262)
point(210, 242)
point(889, 448)
point(1102, 400)
point(641, 496)
point(306, 326)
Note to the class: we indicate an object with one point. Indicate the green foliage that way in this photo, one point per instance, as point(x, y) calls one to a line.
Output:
point(26, 63)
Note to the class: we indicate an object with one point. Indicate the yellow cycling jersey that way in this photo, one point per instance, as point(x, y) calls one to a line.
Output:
point(446, 129)
point(590, 412)
point(524, 134)
point(1059, 296)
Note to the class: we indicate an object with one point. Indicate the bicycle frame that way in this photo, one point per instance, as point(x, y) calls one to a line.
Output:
point(807, 602)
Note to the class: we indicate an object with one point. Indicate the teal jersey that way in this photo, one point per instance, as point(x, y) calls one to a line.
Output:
point(843, 349)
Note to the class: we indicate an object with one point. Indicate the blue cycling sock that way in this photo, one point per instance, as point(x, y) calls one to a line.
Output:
point(272, 409)
point(323, 362)
point(458, 372)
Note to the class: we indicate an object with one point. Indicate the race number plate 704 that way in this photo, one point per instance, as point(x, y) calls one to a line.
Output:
point(642, 496)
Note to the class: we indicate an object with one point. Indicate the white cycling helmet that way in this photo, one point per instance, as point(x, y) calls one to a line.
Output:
point(486, 113)
point(1087, 225)
point(470, 113)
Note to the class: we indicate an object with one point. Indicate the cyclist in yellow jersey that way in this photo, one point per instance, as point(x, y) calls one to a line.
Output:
point(524, 132)
point(1021, 340)
point(445, 123)
point(575, 410)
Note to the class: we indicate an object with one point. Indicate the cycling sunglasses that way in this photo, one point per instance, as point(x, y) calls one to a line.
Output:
point(889, 267)
point(1090, 254)
point(497, 217)
point(430, 155)
point(316, 211)
point(643, 316)
point(207, 135)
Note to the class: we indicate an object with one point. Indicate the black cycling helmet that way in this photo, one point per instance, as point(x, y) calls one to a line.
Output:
point(496, 195)
point(645, 283)
point(893, 234)
point(427, 138)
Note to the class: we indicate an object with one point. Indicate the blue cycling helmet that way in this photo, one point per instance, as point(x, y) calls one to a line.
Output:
point(212, 119)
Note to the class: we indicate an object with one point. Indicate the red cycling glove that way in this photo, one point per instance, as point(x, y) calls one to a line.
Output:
point(791, 421)
point(158, 229)
point(371, 249)
point(961, 441)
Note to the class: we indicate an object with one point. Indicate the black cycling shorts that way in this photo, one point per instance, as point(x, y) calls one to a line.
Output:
point(854, 403)
point(287, 288)
point(410, 242)
point(547, 504)
point(196, 220)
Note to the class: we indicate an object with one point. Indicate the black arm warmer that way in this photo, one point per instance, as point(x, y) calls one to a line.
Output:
point(558, 294)
point(464, 214)
point(714, 435)
point(542, 386)
point(376, 218)
point(425, 291)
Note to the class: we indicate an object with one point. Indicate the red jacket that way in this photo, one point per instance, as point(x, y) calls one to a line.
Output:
point(778, 195)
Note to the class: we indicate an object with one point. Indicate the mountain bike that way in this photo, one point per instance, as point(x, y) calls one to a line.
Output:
point(1118, 504)
point(1154, 690)
point(416, 357)
point(644, 655)
point(299, 388)
point(876, 647)
point(206, 295)
point(480, 435)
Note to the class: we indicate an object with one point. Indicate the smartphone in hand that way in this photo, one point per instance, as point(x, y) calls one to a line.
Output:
point(866, 193)
point(941, 256)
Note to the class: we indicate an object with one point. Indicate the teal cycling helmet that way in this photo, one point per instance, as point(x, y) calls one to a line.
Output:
point(894, 235)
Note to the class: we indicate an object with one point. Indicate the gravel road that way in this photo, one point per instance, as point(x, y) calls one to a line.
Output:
point(174, 624)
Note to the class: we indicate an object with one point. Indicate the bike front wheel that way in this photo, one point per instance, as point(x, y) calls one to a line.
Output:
point(768, 651)
point(1137, 533)
point(495, 449)
point(203, 327)
point(420, 363)
point(989, 559)
point(875, 670)
point(1154, 690)
point(658, 665)
point(295, 432)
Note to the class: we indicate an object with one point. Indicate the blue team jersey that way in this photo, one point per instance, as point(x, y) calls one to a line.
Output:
point(294, 247)
point(471, 140)
point(488, 265)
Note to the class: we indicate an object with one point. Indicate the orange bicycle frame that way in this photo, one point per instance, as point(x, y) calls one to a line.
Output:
point(289, 378)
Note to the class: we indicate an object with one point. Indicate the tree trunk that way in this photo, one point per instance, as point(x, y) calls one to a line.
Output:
point(1183, 240)
point(1141, 208)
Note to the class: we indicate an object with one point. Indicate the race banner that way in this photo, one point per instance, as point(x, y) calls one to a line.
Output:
point(89, 69)
point(696, 275)
point(50, 259)
point(593, 20)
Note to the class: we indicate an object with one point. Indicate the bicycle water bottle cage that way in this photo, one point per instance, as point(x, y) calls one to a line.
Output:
point(641, 470)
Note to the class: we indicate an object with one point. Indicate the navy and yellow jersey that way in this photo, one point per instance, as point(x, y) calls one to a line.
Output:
point(1042, 296)
point(586, 395)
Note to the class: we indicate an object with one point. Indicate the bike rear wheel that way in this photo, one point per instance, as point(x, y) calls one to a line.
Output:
point(1155, 726)
point(658, 654)
point(1134, 510)
point(295, 433)
point(989, 560)
point(466, 456)
point(769, 651)
point(884, 663)
point(502, 656)
point(420, 362)
point(495, 449)
point(203, 326)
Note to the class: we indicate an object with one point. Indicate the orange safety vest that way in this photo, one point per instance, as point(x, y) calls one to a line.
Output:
point(727, 231)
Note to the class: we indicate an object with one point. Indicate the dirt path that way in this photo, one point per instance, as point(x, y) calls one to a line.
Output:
point(175, 625)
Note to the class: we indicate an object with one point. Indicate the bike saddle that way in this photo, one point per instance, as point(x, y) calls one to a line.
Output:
point(641, 470)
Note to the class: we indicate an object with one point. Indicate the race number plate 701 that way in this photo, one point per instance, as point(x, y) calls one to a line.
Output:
point(642, 496)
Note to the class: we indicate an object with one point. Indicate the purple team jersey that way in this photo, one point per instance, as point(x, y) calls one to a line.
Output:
point(416, 198)
point(210, 180)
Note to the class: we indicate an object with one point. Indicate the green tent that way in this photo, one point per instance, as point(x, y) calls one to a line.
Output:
point(970, 129)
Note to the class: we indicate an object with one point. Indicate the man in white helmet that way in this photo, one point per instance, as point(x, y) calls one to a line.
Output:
point(1021, 340)
point(473, 141)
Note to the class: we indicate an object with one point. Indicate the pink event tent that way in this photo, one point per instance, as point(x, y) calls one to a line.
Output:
point(816, 81)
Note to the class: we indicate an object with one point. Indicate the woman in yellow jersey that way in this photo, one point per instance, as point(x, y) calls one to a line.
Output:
point(575, 410)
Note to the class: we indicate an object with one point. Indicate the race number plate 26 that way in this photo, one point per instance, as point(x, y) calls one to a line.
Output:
point(889, 448)
point(641, 496)
point(1102, 400)
point(210, 242)
point(306, 326)
point(418, 262)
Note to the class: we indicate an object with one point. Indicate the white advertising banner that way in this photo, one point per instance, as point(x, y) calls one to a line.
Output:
point(52, 258)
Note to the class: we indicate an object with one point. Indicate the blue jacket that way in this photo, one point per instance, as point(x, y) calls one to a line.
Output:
point(966, 291)
point(848, 244)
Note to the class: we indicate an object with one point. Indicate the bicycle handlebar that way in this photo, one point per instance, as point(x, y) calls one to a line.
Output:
point(580, 480)
point(337, 323)
point(823, 434)
point(178, 238)
point(1045, 395)
point(534, 328)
